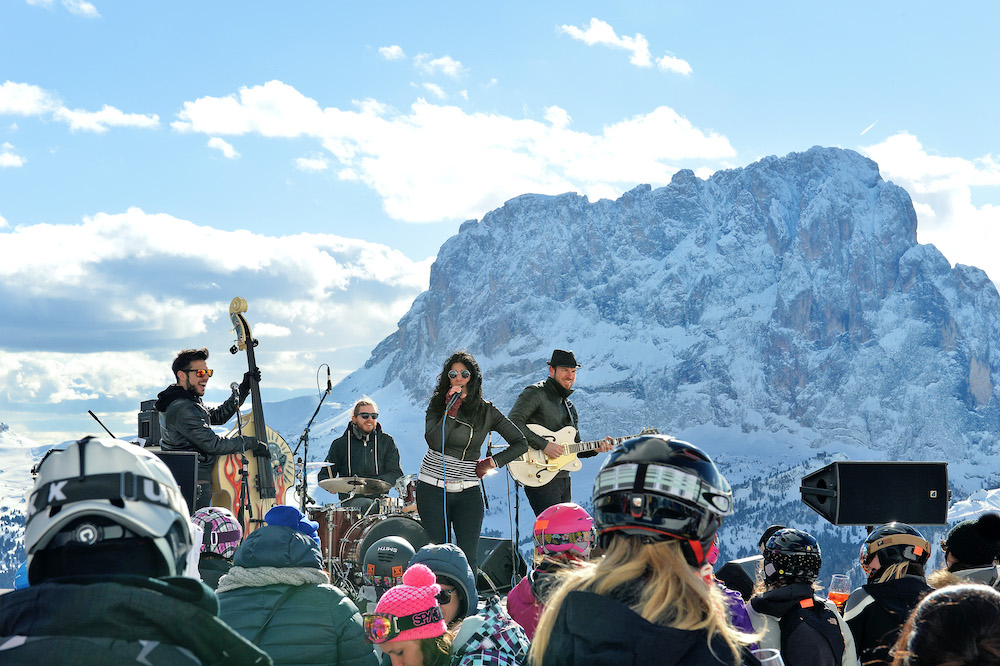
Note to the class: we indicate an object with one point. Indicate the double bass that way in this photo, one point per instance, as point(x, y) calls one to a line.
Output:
point(269, 474)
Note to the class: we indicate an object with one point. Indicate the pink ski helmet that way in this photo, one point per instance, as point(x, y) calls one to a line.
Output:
point(563, 528)
point(223, 532)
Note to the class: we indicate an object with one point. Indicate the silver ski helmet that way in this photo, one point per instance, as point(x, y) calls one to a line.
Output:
point(385, 561)
point(105, 506)
point(659, 488)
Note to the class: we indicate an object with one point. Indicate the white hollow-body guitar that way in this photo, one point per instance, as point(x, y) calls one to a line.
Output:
point(536, 469)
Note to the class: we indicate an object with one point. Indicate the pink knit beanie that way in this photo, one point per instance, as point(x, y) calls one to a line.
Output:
point(416, 598)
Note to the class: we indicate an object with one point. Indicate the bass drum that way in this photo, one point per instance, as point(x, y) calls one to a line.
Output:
point(370, 529)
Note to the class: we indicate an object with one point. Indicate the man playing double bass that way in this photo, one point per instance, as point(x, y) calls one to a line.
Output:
point(186, 423)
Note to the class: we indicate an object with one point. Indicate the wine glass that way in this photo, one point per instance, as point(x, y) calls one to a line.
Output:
point(768, 657)
point(840, 589)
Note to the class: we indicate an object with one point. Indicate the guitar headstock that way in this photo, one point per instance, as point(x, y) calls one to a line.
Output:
point(243, 334)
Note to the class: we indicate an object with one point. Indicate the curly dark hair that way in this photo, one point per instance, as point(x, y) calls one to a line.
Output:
point(185, 357)
point(953, 625)
point(474, 401)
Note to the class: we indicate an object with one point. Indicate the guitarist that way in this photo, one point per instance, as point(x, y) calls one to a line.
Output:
point(547, 404)
point(186, 423)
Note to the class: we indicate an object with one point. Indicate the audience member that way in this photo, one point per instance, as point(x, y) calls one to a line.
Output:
point(408, 624)
point(278, 596)
point(893, 556)
point(970, 552)
point(804, 627)
point(107, 538)
point(955, 626)
point(221, 534)
point(458, 597)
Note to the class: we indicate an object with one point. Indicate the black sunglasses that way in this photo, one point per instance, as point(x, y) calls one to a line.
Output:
point(368, 415)
point(444, 596)
point(454, 373)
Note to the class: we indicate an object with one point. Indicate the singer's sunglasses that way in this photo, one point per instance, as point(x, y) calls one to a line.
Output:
point(369, 415)
point(200, 372)
point(454, 373)
point(382, 627)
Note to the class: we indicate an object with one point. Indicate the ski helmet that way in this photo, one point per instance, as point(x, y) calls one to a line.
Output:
point(791, 556)
point(661, 488)
point(891, 548)
point(565, 529)
point(385, 561)
point(102, 506)
point(222, 532)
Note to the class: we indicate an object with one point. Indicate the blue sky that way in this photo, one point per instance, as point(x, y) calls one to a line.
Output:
point(159, 158)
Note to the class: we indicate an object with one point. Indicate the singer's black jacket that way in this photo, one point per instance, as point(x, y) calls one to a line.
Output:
point(465, 433)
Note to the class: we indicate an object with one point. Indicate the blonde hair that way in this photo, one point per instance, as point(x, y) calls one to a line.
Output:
point(675, 594)
point(363, 400)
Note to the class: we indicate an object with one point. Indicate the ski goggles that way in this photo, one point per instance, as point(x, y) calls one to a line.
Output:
point(568, 539)
point(383, 627)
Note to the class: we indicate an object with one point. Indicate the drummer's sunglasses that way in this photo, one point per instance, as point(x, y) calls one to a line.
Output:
point(382, 627)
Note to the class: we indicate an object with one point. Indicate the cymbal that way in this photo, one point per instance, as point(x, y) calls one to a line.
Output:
point(354, 484)
point(319, 464)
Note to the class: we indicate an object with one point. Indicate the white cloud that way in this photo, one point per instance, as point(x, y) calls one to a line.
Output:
point(444, 65)
point(436, 162)
point(312, 163)
point(81, 8)
point(24, 99)
point(140, 283)
point(394, 52)
point(3, 222)
point(434, 89)
point(8, 158)
point(224, 147)
point(941, 189)
point(601, 33)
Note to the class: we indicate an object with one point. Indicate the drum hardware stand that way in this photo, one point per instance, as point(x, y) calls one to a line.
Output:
point(304, 441)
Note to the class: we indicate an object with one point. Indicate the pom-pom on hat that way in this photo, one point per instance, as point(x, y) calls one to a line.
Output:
point(975, 542)
point(289, 516)
point(415, 599)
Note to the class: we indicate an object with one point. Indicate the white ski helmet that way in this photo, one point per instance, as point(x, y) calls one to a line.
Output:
point(97, 499)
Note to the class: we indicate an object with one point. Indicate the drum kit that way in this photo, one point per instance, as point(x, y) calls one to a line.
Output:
point(346, 533)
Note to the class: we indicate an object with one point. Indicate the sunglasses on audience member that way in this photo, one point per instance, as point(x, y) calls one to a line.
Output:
point(201, 372)
point(454, 373)
point(444, 596)
point(369, 415)
point(382, 627)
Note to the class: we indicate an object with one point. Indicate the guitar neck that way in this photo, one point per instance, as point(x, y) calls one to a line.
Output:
point(580, 447)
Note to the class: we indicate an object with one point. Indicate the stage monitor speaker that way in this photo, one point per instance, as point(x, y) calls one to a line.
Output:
point(149, 423)
point(872, 493)
point(740, 575)
point(184, 466)
point(499, 561)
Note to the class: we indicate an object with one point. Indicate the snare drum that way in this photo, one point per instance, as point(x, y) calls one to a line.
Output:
point(334, 523)
point(370, 529)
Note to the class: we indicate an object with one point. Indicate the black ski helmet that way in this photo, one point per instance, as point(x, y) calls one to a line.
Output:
point(385, 561)
point(890, 548)
point(661, 488)
point(791, 556)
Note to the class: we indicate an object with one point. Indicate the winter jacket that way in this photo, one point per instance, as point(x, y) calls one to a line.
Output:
point(805, 645)
point(186, 425)
point(739, 617)
point(211, 569)
point(465, 433)
point(116, 620)
point(447, 560)
point(595, 630)
point(986, 575)
point(876, 613)
point(374, 457)
point(315, 624)
point(490, 639)
point(546, 404)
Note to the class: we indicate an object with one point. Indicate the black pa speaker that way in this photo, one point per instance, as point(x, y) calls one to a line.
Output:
point(872, 493)
point(149, 423)
point(499, 561)
point(184, 466)
point(740, 575)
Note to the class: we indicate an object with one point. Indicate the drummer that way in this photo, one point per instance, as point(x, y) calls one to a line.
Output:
point(363, 450)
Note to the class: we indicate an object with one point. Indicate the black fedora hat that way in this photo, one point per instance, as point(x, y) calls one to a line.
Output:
point(563, 359)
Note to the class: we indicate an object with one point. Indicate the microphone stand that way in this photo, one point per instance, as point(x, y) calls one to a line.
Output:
point(246, 509)
point(304, 442)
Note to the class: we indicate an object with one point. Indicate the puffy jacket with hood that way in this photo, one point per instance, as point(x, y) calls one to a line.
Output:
point(315, 624)
point(491, 638)
point(374, 456)
point(447, 560)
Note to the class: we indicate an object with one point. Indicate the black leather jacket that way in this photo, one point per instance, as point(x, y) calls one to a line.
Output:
point(186, 425)
point(464, 434)
point(546, 404)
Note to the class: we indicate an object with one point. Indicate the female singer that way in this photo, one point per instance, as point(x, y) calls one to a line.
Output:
point(459, 419)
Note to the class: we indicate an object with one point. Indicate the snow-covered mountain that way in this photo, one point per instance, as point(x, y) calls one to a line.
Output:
point(780, 316)
point(17, 456)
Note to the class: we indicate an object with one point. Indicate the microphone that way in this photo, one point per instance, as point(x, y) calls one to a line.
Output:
point(329, 384)
point(453, 399)
point(235, 387)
